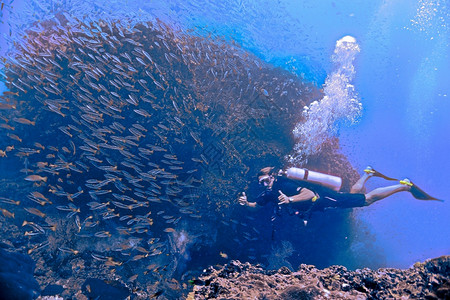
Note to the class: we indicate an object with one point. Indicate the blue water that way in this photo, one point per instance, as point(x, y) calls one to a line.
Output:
point(401, 77)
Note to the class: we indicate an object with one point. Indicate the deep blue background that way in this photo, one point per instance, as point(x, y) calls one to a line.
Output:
point(402, 77)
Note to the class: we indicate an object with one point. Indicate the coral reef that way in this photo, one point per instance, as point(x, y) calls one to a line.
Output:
point(236, 280)
point(16, 276)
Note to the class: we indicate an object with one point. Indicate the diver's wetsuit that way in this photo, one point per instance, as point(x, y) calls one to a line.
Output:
point(328, 198)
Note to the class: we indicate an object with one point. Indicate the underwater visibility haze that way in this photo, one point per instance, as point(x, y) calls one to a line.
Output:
point(129, 129)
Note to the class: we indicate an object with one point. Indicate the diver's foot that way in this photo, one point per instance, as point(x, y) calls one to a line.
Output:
point(406, 182)
point(417, 192)
point(372, 172)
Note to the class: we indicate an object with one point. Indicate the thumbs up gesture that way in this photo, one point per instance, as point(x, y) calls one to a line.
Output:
point(282, 198)
point(243, 199)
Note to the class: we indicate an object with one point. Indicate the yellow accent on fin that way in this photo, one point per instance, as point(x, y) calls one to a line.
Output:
point(406, 182)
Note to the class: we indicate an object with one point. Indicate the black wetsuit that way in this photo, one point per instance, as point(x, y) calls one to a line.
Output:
point(328, 198)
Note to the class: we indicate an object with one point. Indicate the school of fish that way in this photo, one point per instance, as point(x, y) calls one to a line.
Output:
point(124, 133)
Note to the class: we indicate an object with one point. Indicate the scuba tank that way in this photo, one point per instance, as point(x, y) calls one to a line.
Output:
point(330, 181)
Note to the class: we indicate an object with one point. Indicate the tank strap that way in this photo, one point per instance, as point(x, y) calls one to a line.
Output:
point(305, 177)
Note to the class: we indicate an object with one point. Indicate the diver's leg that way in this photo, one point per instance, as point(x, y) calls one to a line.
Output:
point(381, 193)
point(359, 185)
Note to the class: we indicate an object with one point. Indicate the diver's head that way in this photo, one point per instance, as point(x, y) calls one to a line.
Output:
point(266, 177)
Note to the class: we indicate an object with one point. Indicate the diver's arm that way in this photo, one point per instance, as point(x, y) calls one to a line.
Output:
point(252, 204)
point(243, 201)
point(304, 195)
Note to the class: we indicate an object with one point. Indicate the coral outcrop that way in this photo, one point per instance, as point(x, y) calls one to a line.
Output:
point(236, 280)
point(16, 276)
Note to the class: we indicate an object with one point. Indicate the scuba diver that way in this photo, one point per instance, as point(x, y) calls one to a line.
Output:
point(302, 191)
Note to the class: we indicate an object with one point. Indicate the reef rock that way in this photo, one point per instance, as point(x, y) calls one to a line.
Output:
point(236, 280)
point(16, 276)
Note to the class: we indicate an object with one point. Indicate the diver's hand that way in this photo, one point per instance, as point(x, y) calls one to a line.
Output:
point(282, 198)
point(243, 199)
point(282, 173)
